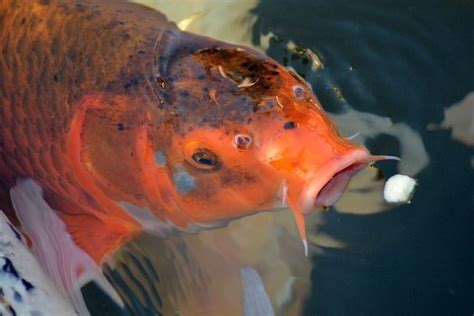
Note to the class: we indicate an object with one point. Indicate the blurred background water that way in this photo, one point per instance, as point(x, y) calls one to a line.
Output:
point(401, 74)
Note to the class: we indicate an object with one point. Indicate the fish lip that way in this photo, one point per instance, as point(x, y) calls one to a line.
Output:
point(341, 170)
point(340, 178)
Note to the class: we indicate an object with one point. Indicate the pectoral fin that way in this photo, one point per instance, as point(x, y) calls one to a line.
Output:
point(57, 243)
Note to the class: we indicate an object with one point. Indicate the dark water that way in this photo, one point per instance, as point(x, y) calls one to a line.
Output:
point(410, 60)
point(407, 60)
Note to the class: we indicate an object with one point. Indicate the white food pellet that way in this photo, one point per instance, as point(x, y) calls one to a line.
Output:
point(399, 189)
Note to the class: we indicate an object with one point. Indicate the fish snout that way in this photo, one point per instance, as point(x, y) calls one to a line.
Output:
point(323, 186)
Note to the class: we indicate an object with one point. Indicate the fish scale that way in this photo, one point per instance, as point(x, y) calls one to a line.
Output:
point(94, 91)
point(34, 75)
point(47, 66)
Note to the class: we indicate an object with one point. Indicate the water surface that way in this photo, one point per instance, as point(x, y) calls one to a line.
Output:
point(390, 70)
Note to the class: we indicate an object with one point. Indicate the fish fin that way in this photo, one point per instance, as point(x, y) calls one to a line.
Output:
point(255, 299)
point(54, 246)
point(97, 233)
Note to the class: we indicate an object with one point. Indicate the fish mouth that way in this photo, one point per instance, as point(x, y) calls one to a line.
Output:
point(326, 189)
point(332, 191)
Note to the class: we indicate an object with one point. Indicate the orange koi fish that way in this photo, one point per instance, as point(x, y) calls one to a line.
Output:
point(113, 121)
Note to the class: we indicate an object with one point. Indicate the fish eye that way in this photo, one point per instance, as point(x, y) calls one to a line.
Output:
point(203, 158)
point(290, 125)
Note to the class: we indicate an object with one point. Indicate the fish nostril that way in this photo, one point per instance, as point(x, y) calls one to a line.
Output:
point(298, 92)
point(242, 141)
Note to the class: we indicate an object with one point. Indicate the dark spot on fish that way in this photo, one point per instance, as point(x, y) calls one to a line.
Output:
point(79, 6)
point(17, 235)
point(23, 21)
point(28, 286)
point(132, 82)
point(289, 125)
point(17, 297)
point(201, 77)
point(120, 127)
point(56, 78)
point(8, 267)
point(233, 177)
point(184, 94)
point(12, 311)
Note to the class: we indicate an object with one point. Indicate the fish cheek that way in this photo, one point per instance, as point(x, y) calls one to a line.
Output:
point(248, 188)
point(109, 153)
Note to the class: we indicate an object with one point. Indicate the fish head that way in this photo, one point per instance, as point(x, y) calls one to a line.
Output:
point(262, 138)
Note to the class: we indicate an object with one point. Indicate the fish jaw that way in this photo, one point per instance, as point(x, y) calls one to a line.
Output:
point(315, 164)
point(324, 186)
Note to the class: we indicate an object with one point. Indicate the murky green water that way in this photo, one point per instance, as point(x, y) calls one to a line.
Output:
point(398, 72)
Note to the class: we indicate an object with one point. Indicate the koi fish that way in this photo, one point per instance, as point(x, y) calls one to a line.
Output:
point(114, 122)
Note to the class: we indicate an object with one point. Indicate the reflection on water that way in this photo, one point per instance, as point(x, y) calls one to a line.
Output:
point(386, 71)
point(228, 21)
point(200, 274)
point(460, 119)
point(406, 61)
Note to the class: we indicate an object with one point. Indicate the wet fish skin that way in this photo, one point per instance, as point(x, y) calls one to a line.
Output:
point(123, 120)
point(57, 56)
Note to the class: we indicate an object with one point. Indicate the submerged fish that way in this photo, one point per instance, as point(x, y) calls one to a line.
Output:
point(123, 123)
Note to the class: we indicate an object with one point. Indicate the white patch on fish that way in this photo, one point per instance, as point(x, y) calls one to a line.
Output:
point(18, 266)
point(53, 246)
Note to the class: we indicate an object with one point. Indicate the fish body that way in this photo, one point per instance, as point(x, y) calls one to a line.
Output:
point(124, 121)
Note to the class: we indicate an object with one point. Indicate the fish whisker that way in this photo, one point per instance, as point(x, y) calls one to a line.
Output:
point(284, 193)
point(353, 136)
